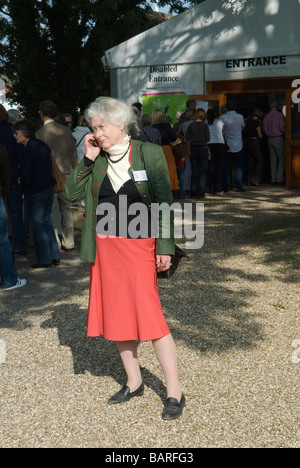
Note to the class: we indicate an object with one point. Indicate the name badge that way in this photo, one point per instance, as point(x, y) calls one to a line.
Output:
point(140, 176)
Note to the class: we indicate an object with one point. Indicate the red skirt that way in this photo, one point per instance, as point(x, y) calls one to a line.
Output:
point(124, 301)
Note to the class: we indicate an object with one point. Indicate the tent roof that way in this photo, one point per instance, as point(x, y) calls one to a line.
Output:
point(215, 30)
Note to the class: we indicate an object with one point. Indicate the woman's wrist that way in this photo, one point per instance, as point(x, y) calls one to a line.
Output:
point(88, 161)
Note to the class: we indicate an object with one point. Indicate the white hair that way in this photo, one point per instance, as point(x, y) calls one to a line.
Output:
point(113, 110)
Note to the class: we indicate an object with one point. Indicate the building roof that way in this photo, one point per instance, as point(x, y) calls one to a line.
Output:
point(215, 30)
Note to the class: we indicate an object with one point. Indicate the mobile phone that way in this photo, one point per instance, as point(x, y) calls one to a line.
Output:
point(94, 143)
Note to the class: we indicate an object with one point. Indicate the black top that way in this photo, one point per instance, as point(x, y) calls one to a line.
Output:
point(114, 216)
point(251, 129)
point(167, 133)
point(14, 150)
point(198, 134)
point(36, 167)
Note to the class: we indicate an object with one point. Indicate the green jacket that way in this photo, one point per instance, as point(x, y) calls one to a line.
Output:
point(85, 183)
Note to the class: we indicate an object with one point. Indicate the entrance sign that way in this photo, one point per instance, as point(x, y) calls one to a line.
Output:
point(256, 63)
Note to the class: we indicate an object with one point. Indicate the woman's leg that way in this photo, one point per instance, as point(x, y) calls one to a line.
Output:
point(166, 353)
point(36, 207)
point(128, 353)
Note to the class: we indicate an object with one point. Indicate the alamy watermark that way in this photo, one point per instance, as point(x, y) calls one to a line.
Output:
point(136, 221)
point(2, 352)
point(296, 93)
point(296, 353)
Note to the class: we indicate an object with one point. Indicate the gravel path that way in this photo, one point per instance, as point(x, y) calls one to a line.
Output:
point(233, 308)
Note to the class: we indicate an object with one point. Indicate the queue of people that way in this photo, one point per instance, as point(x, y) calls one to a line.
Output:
point(227, 149)
point(225, 152)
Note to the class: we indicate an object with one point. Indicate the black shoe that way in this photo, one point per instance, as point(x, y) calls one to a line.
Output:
point(56, 262)
point(37, 265)
point(67, 250)
point(20, 252)
point(125, 395)
point(240, 190)
point(173, 409)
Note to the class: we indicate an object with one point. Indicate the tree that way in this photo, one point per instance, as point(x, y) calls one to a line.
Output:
point(52, 49)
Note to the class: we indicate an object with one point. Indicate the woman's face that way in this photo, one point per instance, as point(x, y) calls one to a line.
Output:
point(20, 138)
point(107, 133)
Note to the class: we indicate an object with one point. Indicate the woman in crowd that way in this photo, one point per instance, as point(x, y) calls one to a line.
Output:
point(217, 148)
point(254, 157)
point(38, 184)
point(124, 303)
point(198, 136)
point(168, 135)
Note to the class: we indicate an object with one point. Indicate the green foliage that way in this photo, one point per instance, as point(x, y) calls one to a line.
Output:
point(52, 49)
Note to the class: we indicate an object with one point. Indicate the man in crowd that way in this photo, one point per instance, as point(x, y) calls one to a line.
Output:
point(62, 144)
point(234, 125)
point(274, 127)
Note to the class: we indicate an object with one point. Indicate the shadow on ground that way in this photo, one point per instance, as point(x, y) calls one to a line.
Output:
point(207, 310)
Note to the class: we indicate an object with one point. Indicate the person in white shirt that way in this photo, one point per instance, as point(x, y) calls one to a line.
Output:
point(218, 151)
point(234, 125)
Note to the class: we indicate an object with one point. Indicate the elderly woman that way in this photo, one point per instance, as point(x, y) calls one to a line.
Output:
point(38, 184)
point(124, 303)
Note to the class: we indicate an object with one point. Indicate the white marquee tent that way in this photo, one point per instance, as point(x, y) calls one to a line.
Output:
point(204, 37)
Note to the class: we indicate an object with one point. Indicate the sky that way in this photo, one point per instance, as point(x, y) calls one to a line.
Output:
point(163, 10)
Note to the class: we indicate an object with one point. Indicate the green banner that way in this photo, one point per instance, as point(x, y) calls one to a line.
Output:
point(170, 103)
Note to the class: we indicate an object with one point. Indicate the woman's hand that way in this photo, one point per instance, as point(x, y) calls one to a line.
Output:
point(163, 262)
point(92, 147)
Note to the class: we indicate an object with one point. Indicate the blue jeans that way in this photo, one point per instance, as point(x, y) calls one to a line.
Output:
point(233, 161)
point(8, 274)
point(45, 243)
point(15, 209)
point(199, 162)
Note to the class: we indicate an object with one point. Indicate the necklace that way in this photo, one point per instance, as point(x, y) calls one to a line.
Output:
point(122, 157)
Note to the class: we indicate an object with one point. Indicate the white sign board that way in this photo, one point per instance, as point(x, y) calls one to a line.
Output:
point(258, 63)
point(164, 76)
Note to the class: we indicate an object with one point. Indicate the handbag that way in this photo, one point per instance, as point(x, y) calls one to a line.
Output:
point(58, 176)
point(179, 253)
point(176, 259)
point(180, 147)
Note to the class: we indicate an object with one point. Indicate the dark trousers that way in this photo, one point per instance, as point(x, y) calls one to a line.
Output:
point(181, 192)
point(216, 167)
point(45, 243)
point(254, 161)
point(199, 162)
point(15, 209)
point(8, 274)
point(233, 162)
